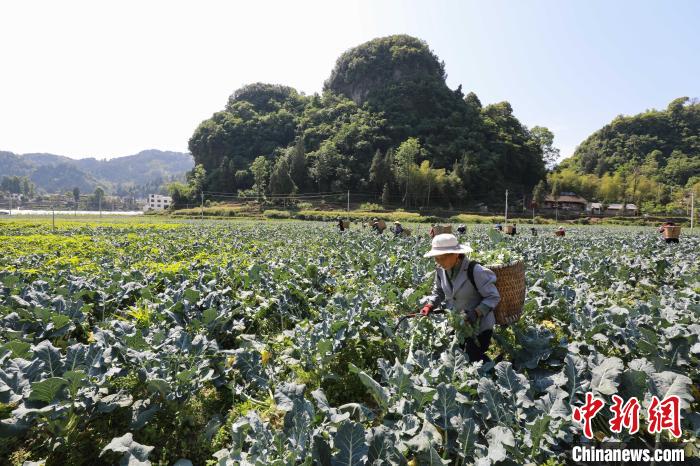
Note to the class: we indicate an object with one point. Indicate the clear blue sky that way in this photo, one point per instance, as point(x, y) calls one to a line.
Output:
point(85, 78)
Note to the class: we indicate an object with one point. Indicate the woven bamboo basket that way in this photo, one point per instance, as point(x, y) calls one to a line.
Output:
point(508, 229)
point(346, 224)
point(440, 229)
point(672, 232)
point(381, 224)
point(560, 233)
point(406, 232)
point(510, 282)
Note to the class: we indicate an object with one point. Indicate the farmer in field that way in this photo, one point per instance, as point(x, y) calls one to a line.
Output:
point(340, 224)
point(433, 230)
point(376, 227)
point(666, 224)
point(398, 228)
point(454, 287)
point(662, 229)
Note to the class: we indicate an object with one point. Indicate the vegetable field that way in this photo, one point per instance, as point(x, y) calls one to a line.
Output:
point(275, 344)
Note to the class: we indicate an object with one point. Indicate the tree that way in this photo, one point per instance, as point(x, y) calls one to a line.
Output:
point(181, 194)
point(297, 165)
point(260, 168)
point(326, 164)
point(539, 193)
point(17, 185)
point(280, 180)
point(196, 179)
point(97, 197)
point(76, 197)
point(544, 139)
point(404, 161)
point(379, 171)
point(244, 179)
point(556, 188)
point(612, 188)
point(386, 195)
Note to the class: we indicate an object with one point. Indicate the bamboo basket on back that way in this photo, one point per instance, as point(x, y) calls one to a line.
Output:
point(440, 229)
point(672, 232)
point(510, 282)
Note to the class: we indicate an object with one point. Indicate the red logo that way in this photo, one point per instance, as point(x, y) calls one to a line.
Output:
point(665, 415)
point(586, 413)
point(662, 415)
point(625, 416)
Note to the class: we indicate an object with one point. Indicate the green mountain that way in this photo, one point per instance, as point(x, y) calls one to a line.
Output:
point(664, 144)
point(55, 173)
point(385, 94)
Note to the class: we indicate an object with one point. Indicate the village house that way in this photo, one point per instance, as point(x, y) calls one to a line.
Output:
point(595, 208)
point(565, 201)
point(617, 209)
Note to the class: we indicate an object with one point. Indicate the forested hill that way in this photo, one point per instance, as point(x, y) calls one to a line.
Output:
point(386, 123)
point(664, 144)
point(51, 173)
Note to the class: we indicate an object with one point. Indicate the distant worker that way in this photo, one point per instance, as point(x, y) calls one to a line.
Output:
point(533, 230)
point(433, 230)
point(461, 229)
point(340, 224)
point(376, 226)
point(398, 229)
point(670, 236)
point(666, 224)
point(560, 231)
point(499, 227)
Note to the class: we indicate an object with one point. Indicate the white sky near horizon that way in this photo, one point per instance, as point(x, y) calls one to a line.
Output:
point(106, 79)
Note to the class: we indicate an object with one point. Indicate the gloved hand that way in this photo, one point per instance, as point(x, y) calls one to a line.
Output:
point(471, 316)
point(426, 309)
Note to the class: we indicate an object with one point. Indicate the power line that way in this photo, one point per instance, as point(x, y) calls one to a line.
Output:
point(334, 193)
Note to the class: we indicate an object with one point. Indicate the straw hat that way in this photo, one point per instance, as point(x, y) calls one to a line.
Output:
point(446, 243)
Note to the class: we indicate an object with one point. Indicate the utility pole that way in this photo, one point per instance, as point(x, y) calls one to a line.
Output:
point(348, 204)
point(692, 209)
point(506, 220)
point(99, 200)
point(202, 208)
point(53, 217)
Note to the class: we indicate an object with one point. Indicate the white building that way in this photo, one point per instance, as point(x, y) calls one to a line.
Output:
point(158, 202)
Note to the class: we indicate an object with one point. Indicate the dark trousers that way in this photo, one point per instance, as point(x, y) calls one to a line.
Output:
point(671, 240)
point(478, 352)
